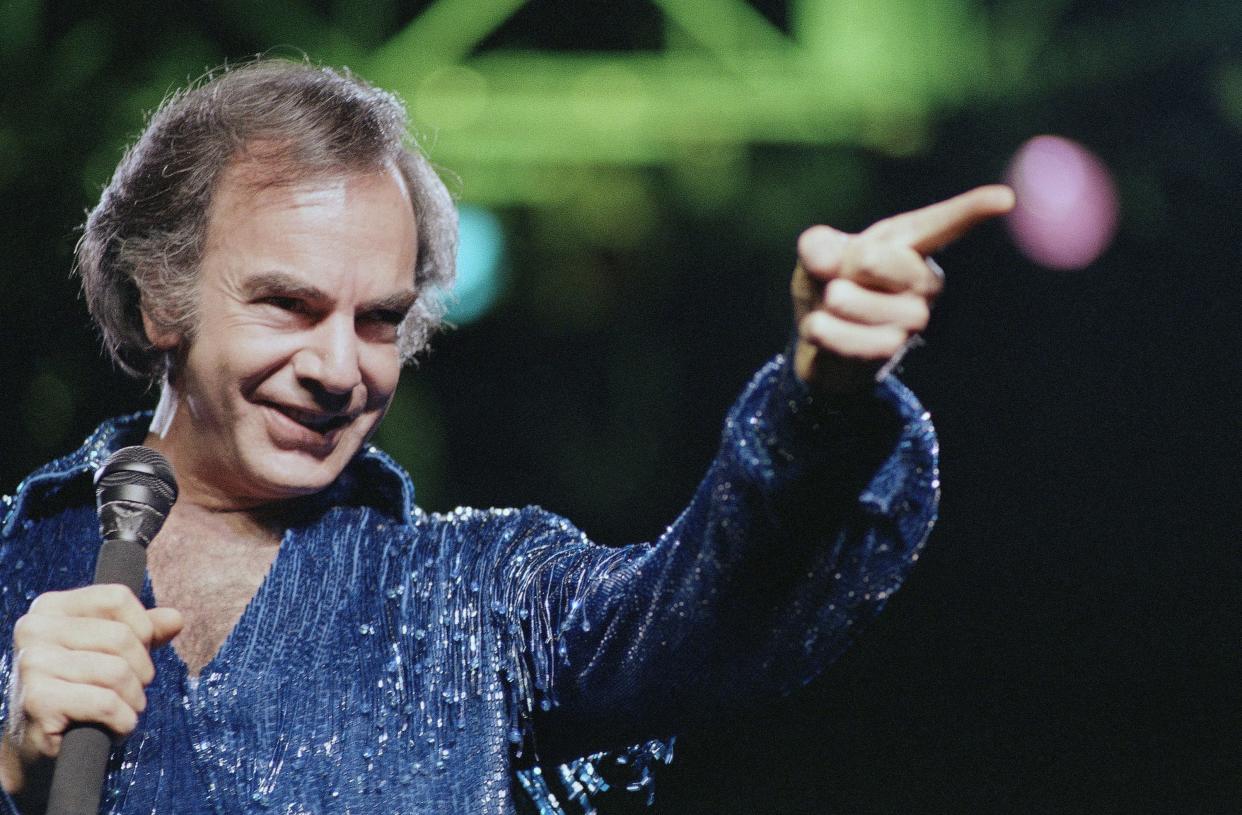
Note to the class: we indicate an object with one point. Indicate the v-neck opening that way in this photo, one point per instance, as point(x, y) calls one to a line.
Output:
point(241, 626)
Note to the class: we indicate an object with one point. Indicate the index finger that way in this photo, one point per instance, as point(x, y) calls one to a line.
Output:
point(936, 226)
point(107, 601)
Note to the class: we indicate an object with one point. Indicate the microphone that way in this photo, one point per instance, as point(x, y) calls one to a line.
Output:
point(134, 490)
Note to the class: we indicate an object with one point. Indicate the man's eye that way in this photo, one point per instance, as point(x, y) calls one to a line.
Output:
point(284, 303)
point(393, 318)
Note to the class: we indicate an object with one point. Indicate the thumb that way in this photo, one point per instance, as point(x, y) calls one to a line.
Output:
point(166, 623)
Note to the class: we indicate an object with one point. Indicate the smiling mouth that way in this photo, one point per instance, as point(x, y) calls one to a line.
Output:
point(321, 423)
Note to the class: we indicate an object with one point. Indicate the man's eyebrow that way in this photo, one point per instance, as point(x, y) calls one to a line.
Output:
point(285, 285)
point(397, 301)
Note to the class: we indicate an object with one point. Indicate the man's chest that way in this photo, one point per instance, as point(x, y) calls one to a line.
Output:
point(210, 576)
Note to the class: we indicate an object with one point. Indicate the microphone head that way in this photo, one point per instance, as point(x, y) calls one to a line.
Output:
point(134, 491)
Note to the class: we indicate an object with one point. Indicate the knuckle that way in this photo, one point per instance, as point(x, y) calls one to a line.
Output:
point(115, 596)
point(39, 709)
point(819, 329)
point(39, 702)
point(836, 294)
point(39, 604)
point(804, 326)
point(894, 341)
point(817, 247)
point(25, 630)
point(929, 278)
point(816, 325)
point(869, 257)
point(112, 707)
point(814, 236)
point(125, 718)
point(922, 315)
point(30, 660)
point(24, 695)
point(856, 259)
point(926, 287)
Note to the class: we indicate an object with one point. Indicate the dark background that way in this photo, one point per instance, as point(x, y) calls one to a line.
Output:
point(1070, 639)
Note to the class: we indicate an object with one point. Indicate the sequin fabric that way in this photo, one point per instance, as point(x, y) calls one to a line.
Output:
point(395, 661)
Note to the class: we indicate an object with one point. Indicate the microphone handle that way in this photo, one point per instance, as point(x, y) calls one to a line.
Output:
point(77, 781)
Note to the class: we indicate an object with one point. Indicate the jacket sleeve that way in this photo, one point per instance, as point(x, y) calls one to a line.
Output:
point(807, 520)
point(10, 609)
point(8, 806)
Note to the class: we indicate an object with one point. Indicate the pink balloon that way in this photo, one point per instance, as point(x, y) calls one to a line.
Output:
point(1066, 213)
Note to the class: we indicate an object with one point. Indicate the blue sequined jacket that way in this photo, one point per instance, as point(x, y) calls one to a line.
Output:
point(395, 661)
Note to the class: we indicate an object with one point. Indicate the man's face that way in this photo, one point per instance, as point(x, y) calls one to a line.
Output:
point(295, 359)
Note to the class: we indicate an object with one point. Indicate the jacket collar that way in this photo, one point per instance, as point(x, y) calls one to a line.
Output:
point(372, 478)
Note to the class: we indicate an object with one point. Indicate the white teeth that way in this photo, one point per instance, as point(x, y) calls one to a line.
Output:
point(316, 422)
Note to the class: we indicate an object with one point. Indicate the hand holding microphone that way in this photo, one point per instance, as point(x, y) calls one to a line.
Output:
point(81, 657)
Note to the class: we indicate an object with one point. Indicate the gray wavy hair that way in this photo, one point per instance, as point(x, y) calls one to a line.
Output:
point(141, 245)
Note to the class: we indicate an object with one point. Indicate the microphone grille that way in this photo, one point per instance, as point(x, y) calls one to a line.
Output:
point(139, 467)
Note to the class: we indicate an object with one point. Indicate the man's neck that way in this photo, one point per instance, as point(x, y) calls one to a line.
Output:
point(194, 486)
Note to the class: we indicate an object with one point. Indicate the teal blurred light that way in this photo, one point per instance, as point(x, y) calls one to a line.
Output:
point(480, 273)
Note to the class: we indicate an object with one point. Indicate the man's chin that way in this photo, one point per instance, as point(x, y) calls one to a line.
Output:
point(292, 473)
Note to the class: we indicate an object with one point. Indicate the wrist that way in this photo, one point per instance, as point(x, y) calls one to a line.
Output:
point(26, 782)
point(12, 779)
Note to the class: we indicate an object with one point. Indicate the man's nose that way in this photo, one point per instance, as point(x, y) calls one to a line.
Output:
point(329, 362)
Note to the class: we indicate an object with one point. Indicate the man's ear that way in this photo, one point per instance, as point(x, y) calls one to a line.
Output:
point(161, 337)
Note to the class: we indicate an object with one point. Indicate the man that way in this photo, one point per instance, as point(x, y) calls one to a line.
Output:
point(269, 251)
